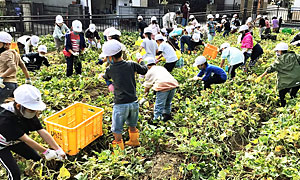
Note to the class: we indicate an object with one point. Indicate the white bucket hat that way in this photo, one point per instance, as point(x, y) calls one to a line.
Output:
point(34, 40)
point(150, 60)
point(29, 97)
point(281, 47)
point(92, 27)
point(110, 48)
point(159, 37)
point(191, 17)
point(224, 16)
point(225, 45)
point(153, 18)
point(77, 26)
point(199, 61)
point(114, 32)
point(59, 19)
point(140, 17)
point(210, 16)
point(42, 48)
point(243, 28)
point(5, 37)
point(148, 30)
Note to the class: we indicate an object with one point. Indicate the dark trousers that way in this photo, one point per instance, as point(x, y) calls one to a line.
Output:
point(215, 79)
point(73, 61)
point(226, 33)
point(170, 66)
point(195, 44)
point(9, 163)
point(232, 69)
point(185, 40)
point(246, 56)
point(7, 91)
point(293, 92)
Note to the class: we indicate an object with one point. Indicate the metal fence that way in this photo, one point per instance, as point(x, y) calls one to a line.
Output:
point(44, 24)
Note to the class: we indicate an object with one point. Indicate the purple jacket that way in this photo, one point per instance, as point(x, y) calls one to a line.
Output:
point(247, 41)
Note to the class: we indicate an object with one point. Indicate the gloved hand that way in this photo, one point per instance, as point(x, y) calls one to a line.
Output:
point(195, 78)
point(100, 76)
point(111, 88)
point(61, 155)
point(138, 56)
point(142, 101)
point(1, 83)
point(50, 154)
point(75, 53)
point(28, 81)
point(26, 59)
point(93, 43)
point(98, 45)
point(258, 79)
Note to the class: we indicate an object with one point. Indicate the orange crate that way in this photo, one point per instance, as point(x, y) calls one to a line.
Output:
point(14, 46)
point(76, 126)
point(210, 52)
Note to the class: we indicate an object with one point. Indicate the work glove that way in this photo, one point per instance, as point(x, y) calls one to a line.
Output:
point(195, 78)
point(26, 59)
point(138, 56)
point(75, 53)
point(111, 88)
point(28, 81)
point(1, 83)
point(100, 76)
point(142, 101)
point(258, 80)
point(93, 43)
point(50, 154)
point(61, 155)
point(98, 45)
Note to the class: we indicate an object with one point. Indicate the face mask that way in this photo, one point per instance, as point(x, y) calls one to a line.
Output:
point(41, 55)
point(112, 60)
point(27, 115)
point(278, 54)
point(76, 33)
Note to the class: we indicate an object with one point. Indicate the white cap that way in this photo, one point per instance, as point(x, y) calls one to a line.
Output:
point(59, 19)
point(249, 19)
point(225, 45)
point(210, 16)
point(114, 32)
point(199, 61)
point(243, 28)
point(159, 37)
point(29, 97)
point(224, 16)
point(5, 37)
point(110, 48)
point(77, 26)
point(92, 27)
point(34, 40)
point(150, 60)
point(140, 17)
point(106, 31)
point(217, 15)
point(223, 21)
point(191, 17)
point(259, 16)
point(42, 48)
point(235, 15)
point(281, 47)
point(265, 17)
point(153, 18)
point(198, 25)
point(148, 30)
point(163, 30)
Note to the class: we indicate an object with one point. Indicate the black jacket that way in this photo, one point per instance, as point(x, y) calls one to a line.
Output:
point(92, 35)
point(36, 61)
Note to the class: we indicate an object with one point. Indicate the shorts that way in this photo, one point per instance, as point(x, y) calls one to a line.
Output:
point(122, 113)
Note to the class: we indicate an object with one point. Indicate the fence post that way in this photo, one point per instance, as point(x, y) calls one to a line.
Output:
point(245, 11)
point(21, 24)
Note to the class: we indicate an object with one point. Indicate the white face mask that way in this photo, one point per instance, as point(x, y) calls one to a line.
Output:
point(27, 115)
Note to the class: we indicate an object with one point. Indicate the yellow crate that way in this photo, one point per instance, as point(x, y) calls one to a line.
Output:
point(75, 127)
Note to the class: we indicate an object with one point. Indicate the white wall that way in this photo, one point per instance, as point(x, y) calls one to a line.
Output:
point(136, 3)
point(230, 2)
point(122, 2)
point(296, 3)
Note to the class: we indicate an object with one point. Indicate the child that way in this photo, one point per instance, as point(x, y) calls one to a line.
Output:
point(59, 32)
point(74, 46)
point(34, 61)
point(212, 74)
point(93, 36)
point(126, 107)
point(211, 27)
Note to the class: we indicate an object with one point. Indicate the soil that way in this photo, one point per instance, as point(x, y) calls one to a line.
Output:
point(165, 166)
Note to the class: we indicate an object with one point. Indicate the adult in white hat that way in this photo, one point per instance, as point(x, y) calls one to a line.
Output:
point(141, 26)
point(74, 48)
point(212, 74)
point(164, 84)
point(9, 62)
point(169, 19)
point(35, 60)
point(185, 13)
point(261, 24)
point(60, 30)
point(26, 43)
point(247, 43)
point(287, 66)
point(148, 44)
point(154, 26)
point(17, 119)
point(167, 51)
point(122, 73)
point(234, 56)
point(93, 36)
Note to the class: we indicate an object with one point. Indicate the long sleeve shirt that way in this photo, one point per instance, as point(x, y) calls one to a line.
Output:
point(59, 32)
point(210, 70)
